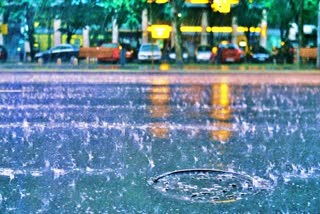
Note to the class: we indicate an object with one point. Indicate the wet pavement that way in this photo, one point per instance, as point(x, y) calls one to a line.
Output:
point(159, 141)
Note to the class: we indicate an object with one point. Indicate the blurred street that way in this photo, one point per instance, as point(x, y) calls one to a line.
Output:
point(147, 73)
point(158, 67)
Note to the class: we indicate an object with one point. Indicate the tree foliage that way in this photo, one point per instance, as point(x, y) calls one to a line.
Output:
point(248, 15)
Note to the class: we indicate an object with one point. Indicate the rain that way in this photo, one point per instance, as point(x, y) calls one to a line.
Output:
point(157, 106)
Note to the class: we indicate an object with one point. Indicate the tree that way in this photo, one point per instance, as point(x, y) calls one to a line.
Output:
point(122, 12)
point(77, 15)
point(21, 13)
point(248, 15)
point(176, 10)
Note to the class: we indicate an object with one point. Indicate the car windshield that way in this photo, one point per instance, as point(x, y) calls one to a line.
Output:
point(232, 46)
point(109, 45)
point(150, 48)
point(204, 48)
point(259, 50)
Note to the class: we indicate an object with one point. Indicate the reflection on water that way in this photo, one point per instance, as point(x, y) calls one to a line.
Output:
point(221, 111)
point(159, 96)
point(92, 148)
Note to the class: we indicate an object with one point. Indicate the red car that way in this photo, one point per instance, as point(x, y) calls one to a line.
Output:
point(110, 52)
point(228, 53)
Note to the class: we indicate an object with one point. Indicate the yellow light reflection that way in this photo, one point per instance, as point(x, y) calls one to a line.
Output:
point(159, 99)
point(159, 129)
point(159, 96)
point(160, 111)
point(221, 112)
point(222, 132)
point(164, 67)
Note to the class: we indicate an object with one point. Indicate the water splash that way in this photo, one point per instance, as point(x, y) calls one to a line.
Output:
point(208, 185)
point(56, 172)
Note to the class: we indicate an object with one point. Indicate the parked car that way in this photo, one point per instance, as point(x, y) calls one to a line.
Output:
point(3, 54)
point(259, 54)
point(228, 53)
point(203, 53)
point(149, 52)
point(112, 54)
point(172, 55)
point(65, 52)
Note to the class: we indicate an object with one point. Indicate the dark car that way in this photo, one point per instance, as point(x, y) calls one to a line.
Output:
point(3, 54)
point(65, 52)
point(172, 55)
point(259, 54)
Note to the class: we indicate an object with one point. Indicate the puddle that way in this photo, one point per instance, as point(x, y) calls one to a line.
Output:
point(208, 185)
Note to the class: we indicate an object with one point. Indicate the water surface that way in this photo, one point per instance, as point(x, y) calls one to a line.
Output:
point(77, 147)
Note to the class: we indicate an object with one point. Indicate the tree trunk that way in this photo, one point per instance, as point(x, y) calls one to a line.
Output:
point(176, 31)
point(300, 20)
point(69, 36)
point(30, 13)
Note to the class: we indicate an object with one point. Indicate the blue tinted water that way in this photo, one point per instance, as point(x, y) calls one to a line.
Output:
point(93, 148)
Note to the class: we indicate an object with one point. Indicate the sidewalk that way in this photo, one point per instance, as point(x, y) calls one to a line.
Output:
point(135, 67)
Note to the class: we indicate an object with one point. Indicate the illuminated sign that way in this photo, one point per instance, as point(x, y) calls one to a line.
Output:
point(160, 31)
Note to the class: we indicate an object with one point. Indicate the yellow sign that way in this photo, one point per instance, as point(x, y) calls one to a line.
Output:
point(160, 31)
point(4, 29)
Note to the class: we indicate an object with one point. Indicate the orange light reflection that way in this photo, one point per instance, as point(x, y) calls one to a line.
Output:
point(221, 112)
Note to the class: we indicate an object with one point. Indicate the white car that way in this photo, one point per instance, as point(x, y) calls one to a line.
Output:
point(203, 53)
point(149, 52)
